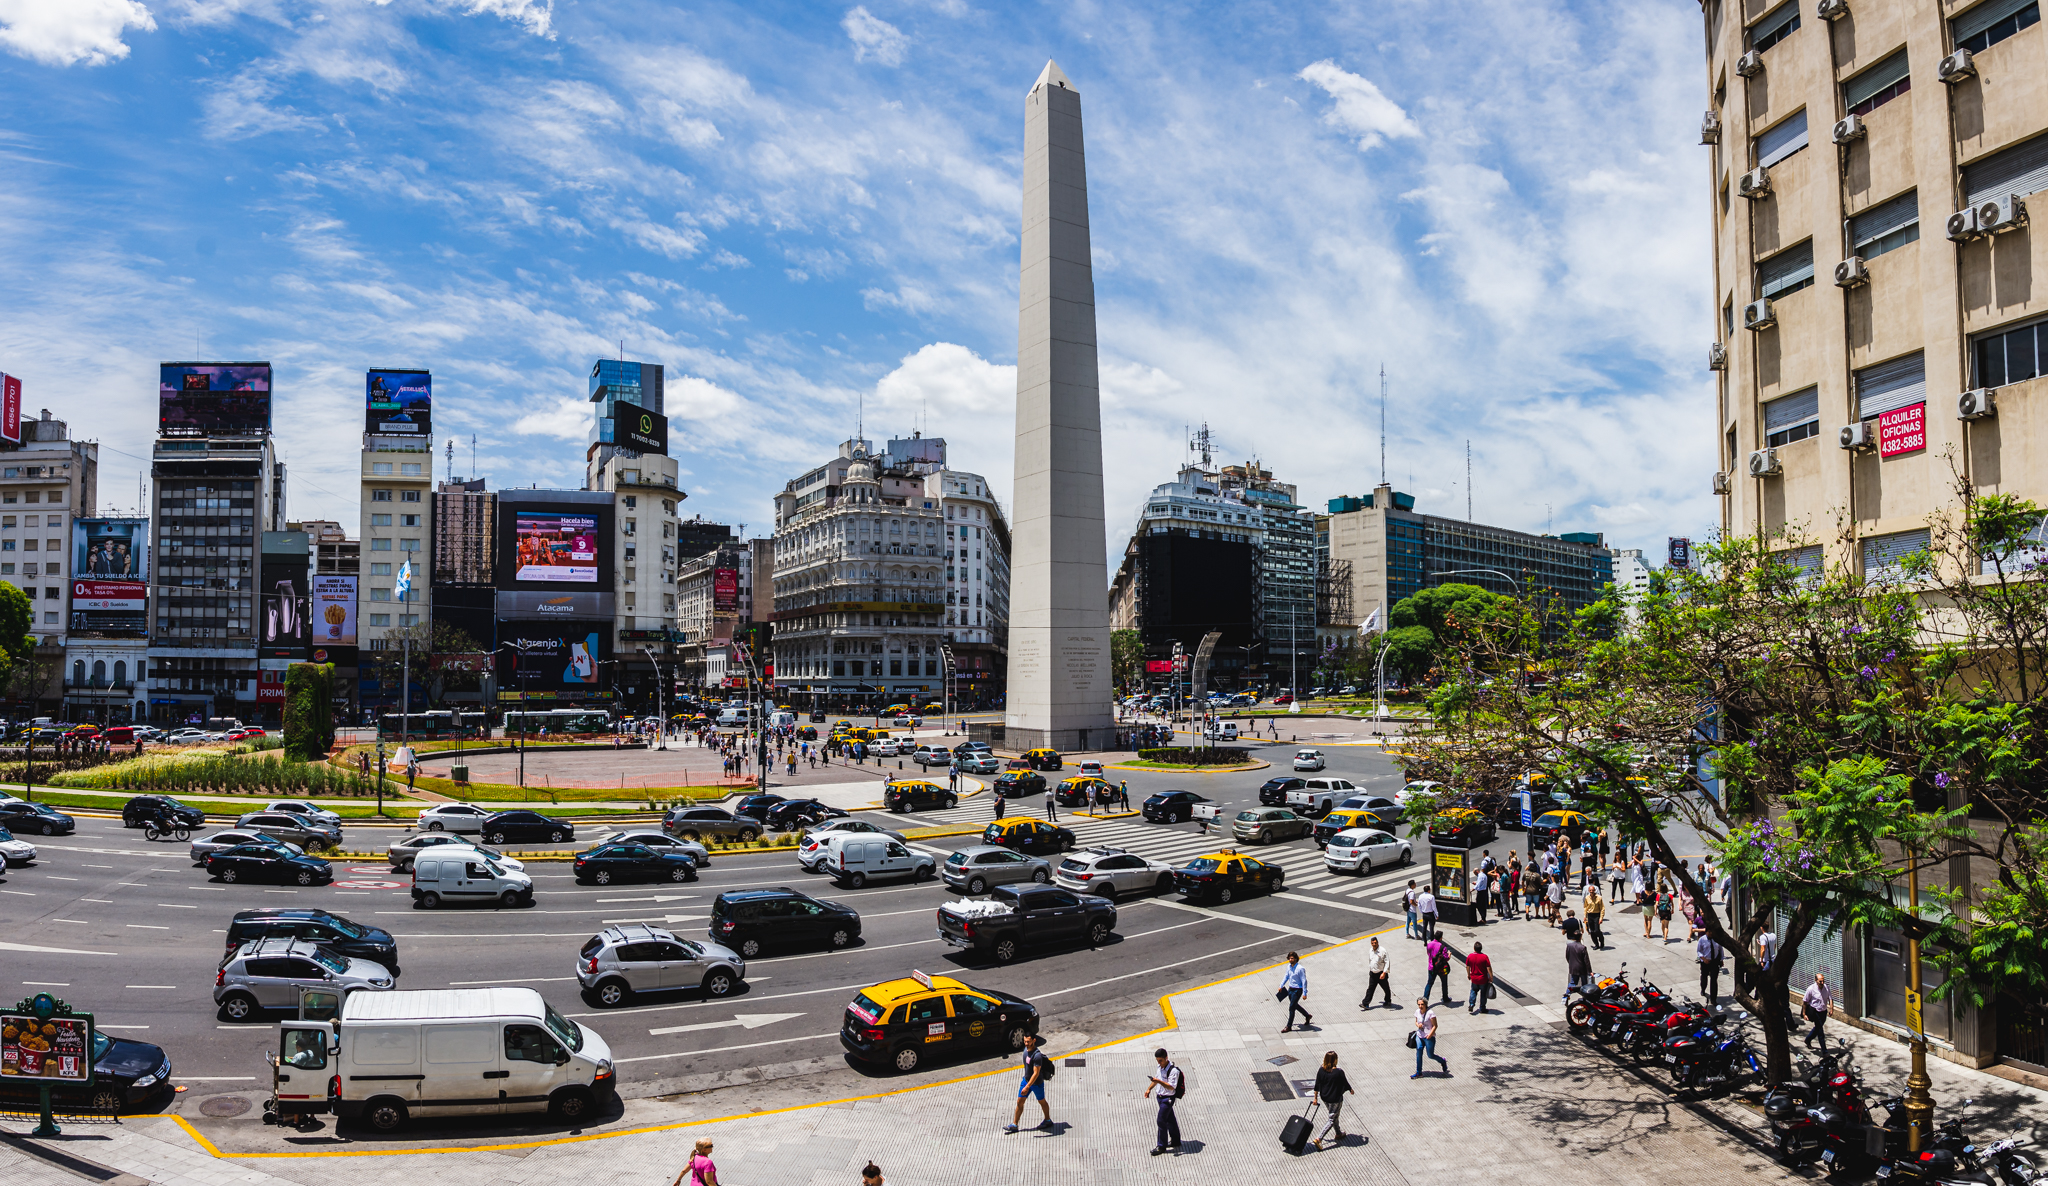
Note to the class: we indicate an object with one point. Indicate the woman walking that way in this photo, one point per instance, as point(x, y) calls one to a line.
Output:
point(1555, 894)
point(1331, 1088)
point(700, 1171)
point(1617, 876)
point(1424, 1038)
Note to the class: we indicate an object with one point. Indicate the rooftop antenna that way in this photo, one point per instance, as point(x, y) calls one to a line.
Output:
point(860, 404)
point(1468, 479)
point(1203, 441)
point(451, 459)
point(622, 349)
point(472, 455)
point(1549, 520)
point(1383, 424)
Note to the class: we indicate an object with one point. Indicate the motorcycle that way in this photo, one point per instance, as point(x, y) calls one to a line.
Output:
point(1952, 1160)
point(1709, 1058)
point(1592, 1009)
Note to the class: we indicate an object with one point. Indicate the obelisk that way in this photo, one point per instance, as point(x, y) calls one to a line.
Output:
point(1059, 679)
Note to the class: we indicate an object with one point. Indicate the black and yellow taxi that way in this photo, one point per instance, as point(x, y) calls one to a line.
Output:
point(1462, 827)
point(900, 1023)
point(1016, 784)
point(1226, 876)
point(1080, 792)
point(1033, 836)
point(1385, 819)
point(916, 794)
point(1543, 833)
point(1043, 759)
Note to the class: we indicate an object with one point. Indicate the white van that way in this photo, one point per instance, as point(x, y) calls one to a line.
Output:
point(1222, 731)
point(856, 858)
point(442, 1052)
point(466, 875)
point(781, 720)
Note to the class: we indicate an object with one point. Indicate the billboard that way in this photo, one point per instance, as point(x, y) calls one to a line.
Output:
point(10, 409)
point(554, 605)
point(41, 1045)
point(1677, 552)
point(638, 428)
point(552, 656)
point(725, 590)
point(282, 628)
point(555, 547)
point(1902, 431)
point(334, 611)
point(110, 575)
point(213, 399)
point(399, 402)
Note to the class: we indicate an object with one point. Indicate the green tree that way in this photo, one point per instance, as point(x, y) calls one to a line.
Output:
point(1127, 659)
point(1444, 609)
point(308, 711)
point(1411, 650)
point(16, 619)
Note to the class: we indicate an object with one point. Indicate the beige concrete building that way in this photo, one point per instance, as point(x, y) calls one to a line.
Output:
point(1878, 313)
point(397, 522)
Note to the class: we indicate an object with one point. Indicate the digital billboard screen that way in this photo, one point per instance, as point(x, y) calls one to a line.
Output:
point(552, 656)
point(555, 547)
point(110, 548)
point(110, 574)
point(209, 399)
point(641, 429)
point(334, 611)
point(399, 402)
point(725, 590)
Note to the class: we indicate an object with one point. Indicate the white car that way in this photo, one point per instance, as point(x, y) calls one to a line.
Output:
point(1308, 759)
point(403, 854)
point(660, 841)
point(1089, 769)
point(453, 817)
point(1361, 850)
point(15, 852)
point(812, 846)
point(1417, 788)
point(301, 807)
point(184, 736)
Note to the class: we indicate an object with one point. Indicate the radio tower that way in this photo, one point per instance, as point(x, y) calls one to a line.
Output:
point(1468, 479)
point(451, 459)
point(1202, 442)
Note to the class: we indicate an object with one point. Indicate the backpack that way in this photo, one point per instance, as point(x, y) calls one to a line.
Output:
point(1180, 1090)
point(1046, 1067)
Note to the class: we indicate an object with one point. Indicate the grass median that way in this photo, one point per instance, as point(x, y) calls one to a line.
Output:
point(395, 806)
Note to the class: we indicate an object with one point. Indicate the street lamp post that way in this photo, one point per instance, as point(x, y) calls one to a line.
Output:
point(521, 745)
point(660, 700)
point(1454, 572)
point(1919, 1105)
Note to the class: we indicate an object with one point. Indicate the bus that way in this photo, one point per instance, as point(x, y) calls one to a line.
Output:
point(428, 726)
point(559, 720)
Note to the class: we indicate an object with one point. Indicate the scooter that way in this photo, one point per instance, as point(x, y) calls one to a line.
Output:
point(1709, 1058)
point(1952, 1160)
point(1589, 1009)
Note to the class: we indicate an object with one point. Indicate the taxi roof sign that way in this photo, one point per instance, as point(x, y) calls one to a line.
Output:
point(921, 978)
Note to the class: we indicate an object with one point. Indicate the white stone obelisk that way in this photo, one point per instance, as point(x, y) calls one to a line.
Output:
point(1059, 680)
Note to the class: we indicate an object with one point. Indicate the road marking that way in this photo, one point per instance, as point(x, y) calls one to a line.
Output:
point(727, 1049)
point(1282, 928)
point(175, 906)
point(76, 922)
point(105, 1026)
point(18, 893)
point(280, 891)
point(57, 950)
point(664, 920)
point(139, 926)
point(213, 1078)
point(211, 889)
point(47, 984)
point(651, 898)
point(149, 986)
point(748, 1020)
point(533, 980)
point(353, 894)
point(842, 952)
point(1156, 930)
point(806, 992)
point(62, 879)
point(101, 901)
point(95, 866)
point(1165, 967)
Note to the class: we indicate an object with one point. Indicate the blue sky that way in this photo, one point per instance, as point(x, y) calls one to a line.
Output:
point(806, 209)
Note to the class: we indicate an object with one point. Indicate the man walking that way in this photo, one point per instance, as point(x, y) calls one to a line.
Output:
point(1032, 1084)
point(1123, 795)
point(1168, 1083)
point(1710, 955)
point(1376, 976)
point(1479, 971)
point(1052, 810)
point(1002, 800)
point(1425, 907)
point(1293, 987)
point(1596, 908)
point(1438, 955)
point(1818, 999)
point(1481, 886)
point(1578, 969)
point(1409, 899)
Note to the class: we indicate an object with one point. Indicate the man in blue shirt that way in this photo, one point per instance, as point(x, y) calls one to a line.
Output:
point(1293, 987)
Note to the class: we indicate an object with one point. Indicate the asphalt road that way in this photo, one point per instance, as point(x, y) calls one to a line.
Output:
point(134, 932)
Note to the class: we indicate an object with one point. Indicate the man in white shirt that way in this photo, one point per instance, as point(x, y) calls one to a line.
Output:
point(1376, 976)
point(1425, 909)
point(1408, 897)
point(1818, 997)
point(1167, 1083)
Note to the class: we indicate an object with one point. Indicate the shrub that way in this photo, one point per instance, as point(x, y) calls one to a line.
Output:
point(1180, 755)
point(216, 773)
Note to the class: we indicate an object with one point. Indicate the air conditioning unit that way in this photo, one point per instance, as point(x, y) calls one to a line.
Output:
point(1764, 463)
point(1831, 10)
point(1710, 127)
point(1976, 405)
point(1850, 128)
point(1956, 67)
point(1962, 225)
point(1751, 64)
point(1859, 435)
point(1755, 184)
point(1851, 272)
point(1717, 357)
point(1721, 485)
point(1999, 215)
point(1757, 315)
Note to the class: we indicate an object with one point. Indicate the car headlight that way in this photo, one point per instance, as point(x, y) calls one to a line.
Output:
point(146, 1081)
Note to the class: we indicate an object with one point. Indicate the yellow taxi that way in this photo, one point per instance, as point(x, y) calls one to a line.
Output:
point(1080, 792)
point(1385, 818)
point(1223, 876)
point(916, 794)
point(1028, 836)
point(841, 726)
point(894, 709)
point(1546, 828)
point(898, 1023)
point(1043, 759)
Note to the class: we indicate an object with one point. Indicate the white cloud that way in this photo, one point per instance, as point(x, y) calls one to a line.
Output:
point(537, 15)
point(67, 32)
point(907, 298)
point(950, 391)
point(565, 418)
point(1358, 107)
point(874, 37)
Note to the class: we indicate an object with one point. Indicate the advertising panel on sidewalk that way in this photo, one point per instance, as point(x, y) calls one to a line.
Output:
point(334, 610)
point(200, 399)
point(1903, 430)
point(41, 1042)
point(399, 402)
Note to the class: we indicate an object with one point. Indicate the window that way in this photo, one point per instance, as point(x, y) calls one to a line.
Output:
point(380, 467)
point(410, 469)
point(631, 501)
point(50, 618)
point(1884, 556)
point(380, 520)
point(408, 545)
point(1807, 559)
point(1781, 140)
point(1887, 226)
point(381, 569)
point(409, 496)
point(2006, 356)
point(380, 594)
point(2029, 553)
point(408, 619)
point(1889, 386)
point(408, 520)
point(1878, 85)
point(1992, 22)
point(1781, 23)
point(1786, 272)
point(380, 545)
point(1793, 418)
point(2021, 169)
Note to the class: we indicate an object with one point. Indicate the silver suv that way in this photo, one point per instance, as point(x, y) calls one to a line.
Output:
point(268, 974)
point(973, 870)
point(620, 961)
point(1108, 872)
point(309, 834)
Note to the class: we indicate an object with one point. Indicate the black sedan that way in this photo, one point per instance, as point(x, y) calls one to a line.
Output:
point(791, 814)
point(35, 819)
point(125, 1074)
point(1018, 783)
point(161, 810)
point(757, 805)
point(1274, 792)
point(1168, 807)
point(262, 862)
point(526, 827)
point(608, 863)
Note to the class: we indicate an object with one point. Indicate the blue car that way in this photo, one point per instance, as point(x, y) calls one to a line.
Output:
point(35, 819)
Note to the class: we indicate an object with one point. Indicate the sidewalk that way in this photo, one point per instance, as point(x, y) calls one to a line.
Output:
point(1522, 1098)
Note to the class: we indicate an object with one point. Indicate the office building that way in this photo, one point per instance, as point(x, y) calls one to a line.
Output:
point(1631, 572)
point(714, 607)
point(48, 484)
point(465, 520)
point(336, 581)
point(628, 401)
point(646, 502)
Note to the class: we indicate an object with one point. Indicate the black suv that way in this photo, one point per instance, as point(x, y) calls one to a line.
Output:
point(1019, 783)
point(748, 920)
point(1274, 792)
point(916, 795)
point(526, 827)
point(161, 810)
point(351, 939)
point(757, 805)
point(1168, 807)
point(791, 814)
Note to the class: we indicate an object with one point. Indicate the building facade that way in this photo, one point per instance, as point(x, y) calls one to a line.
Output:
point(46, 485)
point(397, 527)
point(643, 486)
point(714, 598)
point(465, 522)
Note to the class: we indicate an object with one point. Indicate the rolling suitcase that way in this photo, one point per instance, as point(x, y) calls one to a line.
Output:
point(1295, 1133)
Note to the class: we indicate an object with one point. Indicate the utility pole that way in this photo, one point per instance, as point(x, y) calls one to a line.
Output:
point(1919, 1105)
point(660, 700)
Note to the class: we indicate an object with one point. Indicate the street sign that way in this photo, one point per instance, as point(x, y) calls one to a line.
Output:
point(1913, 1011)
point(1528, 811)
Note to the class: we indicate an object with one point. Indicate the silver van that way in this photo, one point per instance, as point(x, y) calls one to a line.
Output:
point(854, 859)
point(466, 875)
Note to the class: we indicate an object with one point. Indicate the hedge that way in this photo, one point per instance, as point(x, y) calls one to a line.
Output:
point(221, 774)
point(1183, 755)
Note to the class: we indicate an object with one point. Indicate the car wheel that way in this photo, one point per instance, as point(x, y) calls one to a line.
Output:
point(1365, 866)
point(385, 1115)
point(1107, 893)
point(747, 835)
point(906, 1059)
point(305, 877)
point(1041, 876)
point(841, 937)
point(238, 1007)
point(558, 837)
point(1164, 885)
point(613, 993)
point(602, 877)
point(434, 825)
point(228, 875)
point(749, 948)
point(1279, 883)
point(49, 829)
point(509, 899)
point(430, 901)
point(106, 1101)
point(977, 886)
point(1223, 896)
point(496, 838)
point(571, 1104)
point(1098, 934)
point(856, 879)
point(1264, 837)
point(719, 983)
point(1407, 857)
point(1016, 1037)
point(689, 874)
point(952, 800)
point(1005, 950)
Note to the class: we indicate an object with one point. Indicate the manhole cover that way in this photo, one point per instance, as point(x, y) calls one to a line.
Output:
point(1283, 1060)
point(223, 1105)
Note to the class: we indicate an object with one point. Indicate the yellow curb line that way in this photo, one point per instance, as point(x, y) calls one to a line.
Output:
point(1165, 1008)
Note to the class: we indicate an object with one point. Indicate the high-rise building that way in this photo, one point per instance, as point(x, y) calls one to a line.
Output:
point(397, 530)
point(465, 519)
point(629, 399)
point(556, 564)
point(646, 502)
point(47, 485)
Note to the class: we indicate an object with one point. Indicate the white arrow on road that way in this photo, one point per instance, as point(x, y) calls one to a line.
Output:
point(748, 1020)
point(653, 898)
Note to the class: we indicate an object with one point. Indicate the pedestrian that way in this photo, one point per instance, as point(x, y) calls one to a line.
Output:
point(1727, 887)
point(1171, 1085)
point(1480, 887)
point(1409, 897)
point(1596, 910)
point(1766, 949)
point(1002, 801)
point(1376, 976)
point(1532, 887)
point(1578, 969)
point(1510, 886)
point(1052, 810)
point(1424, 1037)
point(1331, 1088)
point(1617, 876)
point(1123, 795)
point(1438, 956)
point(1710, 957)
point(1819, 998)
point(1425, 908)
point(1033, 1084)
point(1293, 987)
point(1666, 903)
point(1638, 884)
point(1486, 861)
point(1570, 925)
point(1479, 974)
point(701, 1171)
point(870, 1175)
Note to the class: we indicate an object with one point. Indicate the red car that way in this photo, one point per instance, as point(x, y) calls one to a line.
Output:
point(1284, 698)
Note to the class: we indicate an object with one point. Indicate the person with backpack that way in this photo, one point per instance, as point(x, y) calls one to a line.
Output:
point(1038, 1071)
point(1667, 903)
point(1171, 1085)
point(1710, 955)
point(1331, 1088)
point(1438, 954)
point(1408, 898)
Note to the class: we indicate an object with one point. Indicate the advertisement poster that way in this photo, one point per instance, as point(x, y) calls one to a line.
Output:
point(334, 611)
point(1902, 431)
point(1678, 552)
point(1158, 667)
point(110, 548)
point(10, 409)
point(538, 657)
point(208, 399)
point(399, 402)
point(270, 681)
point(46, 1049)
point(725, 590)
point(556, 547)
point(641, 429)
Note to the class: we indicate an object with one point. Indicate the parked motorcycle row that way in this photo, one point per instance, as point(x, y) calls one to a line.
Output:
point(1822, 1114)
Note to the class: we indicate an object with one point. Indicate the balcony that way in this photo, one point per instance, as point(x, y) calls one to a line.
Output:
point(98, 685)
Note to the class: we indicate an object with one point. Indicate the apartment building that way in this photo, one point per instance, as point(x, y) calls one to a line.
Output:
point(47, 483)
point(397, 523)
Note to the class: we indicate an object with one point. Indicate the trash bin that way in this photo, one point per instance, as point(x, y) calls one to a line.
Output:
point(460, 773)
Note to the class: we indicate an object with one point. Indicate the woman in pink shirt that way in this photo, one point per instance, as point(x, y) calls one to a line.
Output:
point(700, 1171)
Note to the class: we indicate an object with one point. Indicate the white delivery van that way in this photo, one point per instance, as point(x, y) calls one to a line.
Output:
point(466, 875)
point(781, 720)
point(442, 1052)
point(855, 858)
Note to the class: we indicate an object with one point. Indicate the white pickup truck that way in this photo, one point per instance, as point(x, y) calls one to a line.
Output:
point(1320, 795)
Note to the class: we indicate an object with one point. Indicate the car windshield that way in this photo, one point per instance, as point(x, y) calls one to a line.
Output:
point(1249, 815)
point(1203, 865)
point(348, 929)
point(330, 961)
point(568, 1031)
point(693, 948)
